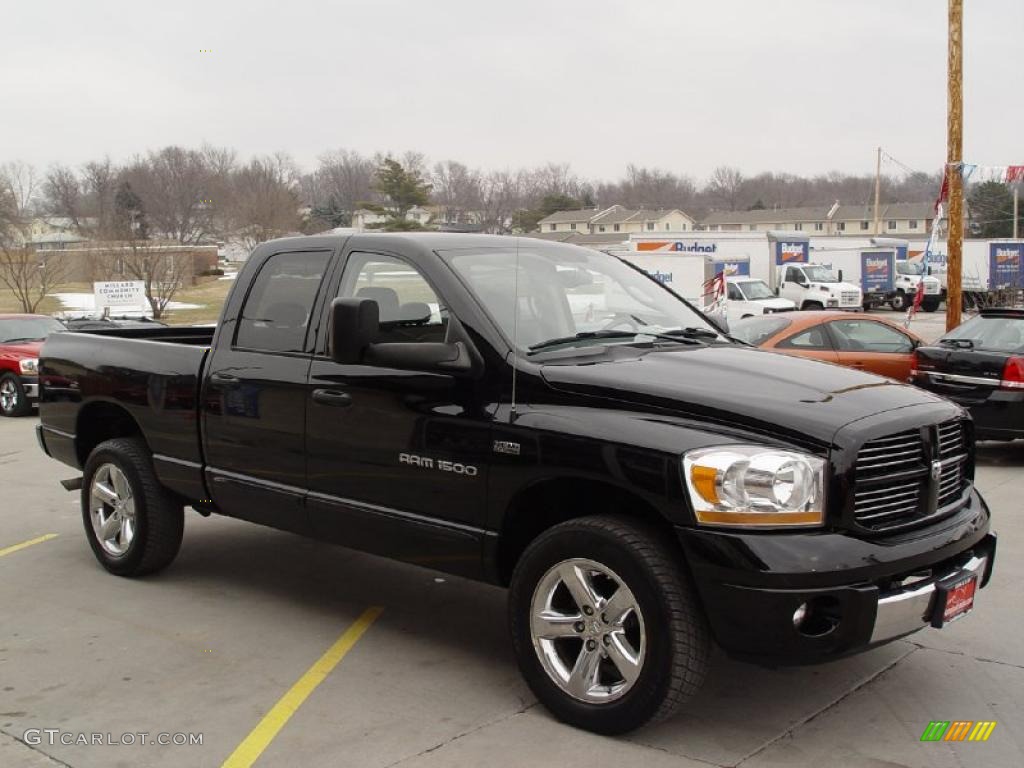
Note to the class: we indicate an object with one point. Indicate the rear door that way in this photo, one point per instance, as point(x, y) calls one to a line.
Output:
point(254, 399)
point(873, 346)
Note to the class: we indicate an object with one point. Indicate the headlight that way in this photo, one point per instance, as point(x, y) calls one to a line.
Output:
point(754, 485)
point(29, 365)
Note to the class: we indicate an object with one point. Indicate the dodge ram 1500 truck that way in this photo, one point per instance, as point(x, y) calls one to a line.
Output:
point(544, 417)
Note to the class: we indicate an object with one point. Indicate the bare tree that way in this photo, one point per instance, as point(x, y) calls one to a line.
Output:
point(264, 200)
point(724, 186)
point(30, 274)
point(62, 193)
point(457, 190)
point(343, 180)
point(501, 196)
point(163, 271)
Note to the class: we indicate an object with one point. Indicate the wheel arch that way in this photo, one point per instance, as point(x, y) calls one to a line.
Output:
point(549, 502)
point(102, 420)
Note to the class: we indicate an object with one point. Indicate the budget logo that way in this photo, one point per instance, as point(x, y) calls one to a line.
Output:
point(877, 266)
point(958, 730)
point(1008, 257)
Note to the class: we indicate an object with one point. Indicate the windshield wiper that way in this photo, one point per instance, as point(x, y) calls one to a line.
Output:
point(689, 332)
point(676, 336)
point(965, 343)
point(26, 338)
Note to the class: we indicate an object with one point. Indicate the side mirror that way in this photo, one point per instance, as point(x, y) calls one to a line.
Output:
point(354, 326)
point(840, 275)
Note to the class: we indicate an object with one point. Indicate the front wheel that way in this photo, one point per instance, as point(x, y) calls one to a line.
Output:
point(133, 524)
point(13, 400)
point(812, 306)
point(899, 301)
point(605, 625)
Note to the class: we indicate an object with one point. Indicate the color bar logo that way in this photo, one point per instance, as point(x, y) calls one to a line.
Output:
point(958, 730)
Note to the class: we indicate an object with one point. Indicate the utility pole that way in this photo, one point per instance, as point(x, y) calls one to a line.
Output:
point(954, 156)
point(878, 191)
point(1016, 208)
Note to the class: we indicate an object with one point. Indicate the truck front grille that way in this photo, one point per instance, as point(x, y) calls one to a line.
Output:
point(910, 477)
point(849, 297)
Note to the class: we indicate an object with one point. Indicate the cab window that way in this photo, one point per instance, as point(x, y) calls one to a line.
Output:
point(275, 315)
point(410, 310)
point(734, 292)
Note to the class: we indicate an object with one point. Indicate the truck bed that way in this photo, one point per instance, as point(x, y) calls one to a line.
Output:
point(154, 374)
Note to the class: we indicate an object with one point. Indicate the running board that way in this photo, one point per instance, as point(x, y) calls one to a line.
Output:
point(74, 484)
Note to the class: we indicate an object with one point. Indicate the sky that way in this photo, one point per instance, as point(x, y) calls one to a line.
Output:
point(802, 86)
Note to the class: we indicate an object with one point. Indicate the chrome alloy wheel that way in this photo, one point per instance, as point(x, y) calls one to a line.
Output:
point(8, 395)
point(112, 509)
point(588, 631)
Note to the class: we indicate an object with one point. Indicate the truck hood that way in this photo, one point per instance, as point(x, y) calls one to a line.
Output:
point(775, 303)
point(835, 288)
point(741, 387)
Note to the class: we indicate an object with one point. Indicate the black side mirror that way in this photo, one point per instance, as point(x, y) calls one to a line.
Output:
point(354, 326)
point(840, 275)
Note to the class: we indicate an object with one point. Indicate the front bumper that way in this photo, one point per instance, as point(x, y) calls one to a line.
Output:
point(862, 592)
point(31, 386)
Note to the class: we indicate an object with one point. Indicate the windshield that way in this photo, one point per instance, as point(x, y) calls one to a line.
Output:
point(27, 329)
point(566, 290)
point(818, 274)
point(910, 267)
point(995, 334)
point(755, 290)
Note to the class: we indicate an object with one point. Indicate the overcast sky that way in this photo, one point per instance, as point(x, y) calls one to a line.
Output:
point(805, 86)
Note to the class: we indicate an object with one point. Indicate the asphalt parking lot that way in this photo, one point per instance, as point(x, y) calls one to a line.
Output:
point(235, 628)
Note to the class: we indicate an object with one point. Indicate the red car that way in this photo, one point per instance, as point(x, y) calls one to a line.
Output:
point(21, 338)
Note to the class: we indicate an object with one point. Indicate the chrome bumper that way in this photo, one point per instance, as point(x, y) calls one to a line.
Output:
point(909, 610)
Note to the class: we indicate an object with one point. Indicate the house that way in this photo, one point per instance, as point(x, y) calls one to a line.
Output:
point(365, 219)
point(617, 219)
point(906, 220)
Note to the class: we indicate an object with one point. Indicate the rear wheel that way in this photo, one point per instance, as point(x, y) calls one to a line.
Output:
point(133, 524)
point(605, 625)
point(13, 400)
point(929, 306)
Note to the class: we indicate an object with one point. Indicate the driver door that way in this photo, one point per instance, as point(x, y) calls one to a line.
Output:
point(397, 459)
point(793, 282)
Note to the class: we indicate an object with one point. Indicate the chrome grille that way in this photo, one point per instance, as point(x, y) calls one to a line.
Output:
point(893, 486)
point(849, 297)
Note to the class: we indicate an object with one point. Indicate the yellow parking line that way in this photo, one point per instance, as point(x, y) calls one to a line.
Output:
point(260, 737)
point(25, 544)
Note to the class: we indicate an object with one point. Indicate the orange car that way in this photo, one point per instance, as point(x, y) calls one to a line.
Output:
point(855, 340)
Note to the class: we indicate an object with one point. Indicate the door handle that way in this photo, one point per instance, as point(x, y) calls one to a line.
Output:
point(224, 378)
point(332, 397)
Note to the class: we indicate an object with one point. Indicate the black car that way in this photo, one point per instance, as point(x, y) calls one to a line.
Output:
point(980, 365)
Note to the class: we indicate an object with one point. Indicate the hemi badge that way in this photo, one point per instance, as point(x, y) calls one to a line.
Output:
point(505, 446)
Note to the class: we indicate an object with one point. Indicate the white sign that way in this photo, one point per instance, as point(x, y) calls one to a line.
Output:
point(119, 293)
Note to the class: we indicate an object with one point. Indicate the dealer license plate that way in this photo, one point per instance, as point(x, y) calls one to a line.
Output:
point(954, 598)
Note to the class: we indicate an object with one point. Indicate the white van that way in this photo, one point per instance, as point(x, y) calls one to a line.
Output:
point(748, 296)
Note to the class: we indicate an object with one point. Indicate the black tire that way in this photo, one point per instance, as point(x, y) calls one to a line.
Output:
point(21, 405)
point(812, 306)
point(898, 302)
point(677, 637)
point(159, 516)
point(929, 306)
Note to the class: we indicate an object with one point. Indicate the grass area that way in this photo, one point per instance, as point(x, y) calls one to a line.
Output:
point(208, 292)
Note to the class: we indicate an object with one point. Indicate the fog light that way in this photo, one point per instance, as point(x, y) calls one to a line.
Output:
point(799, 615)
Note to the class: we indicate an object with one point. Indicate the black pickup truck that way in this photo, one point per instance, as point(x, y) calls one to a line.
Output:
point(544, 417)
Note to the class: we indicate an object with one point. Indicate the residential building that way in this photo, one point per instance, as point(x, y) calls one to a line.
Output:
point(365, 219)
point(617, 219)
point(906, 220)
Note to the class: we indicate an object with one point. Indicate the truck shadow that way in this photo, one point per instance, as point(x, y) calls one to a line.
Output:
point(1000, 454)
point(466, 622)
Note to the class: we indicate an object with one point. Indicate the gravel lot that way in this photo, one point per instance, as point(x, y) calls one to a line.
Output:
point(213, 643)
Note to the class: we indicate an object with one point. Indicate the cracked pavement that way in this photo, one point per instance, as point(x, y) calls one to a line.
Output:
point(210, 645)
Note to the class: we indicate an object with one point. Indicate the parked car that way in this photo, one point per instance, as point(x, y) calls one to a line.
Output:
point(856, 341)
point(751, 296)
point(643, 484)
point(21, 337)
point(980, 365)
point(106, 323)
